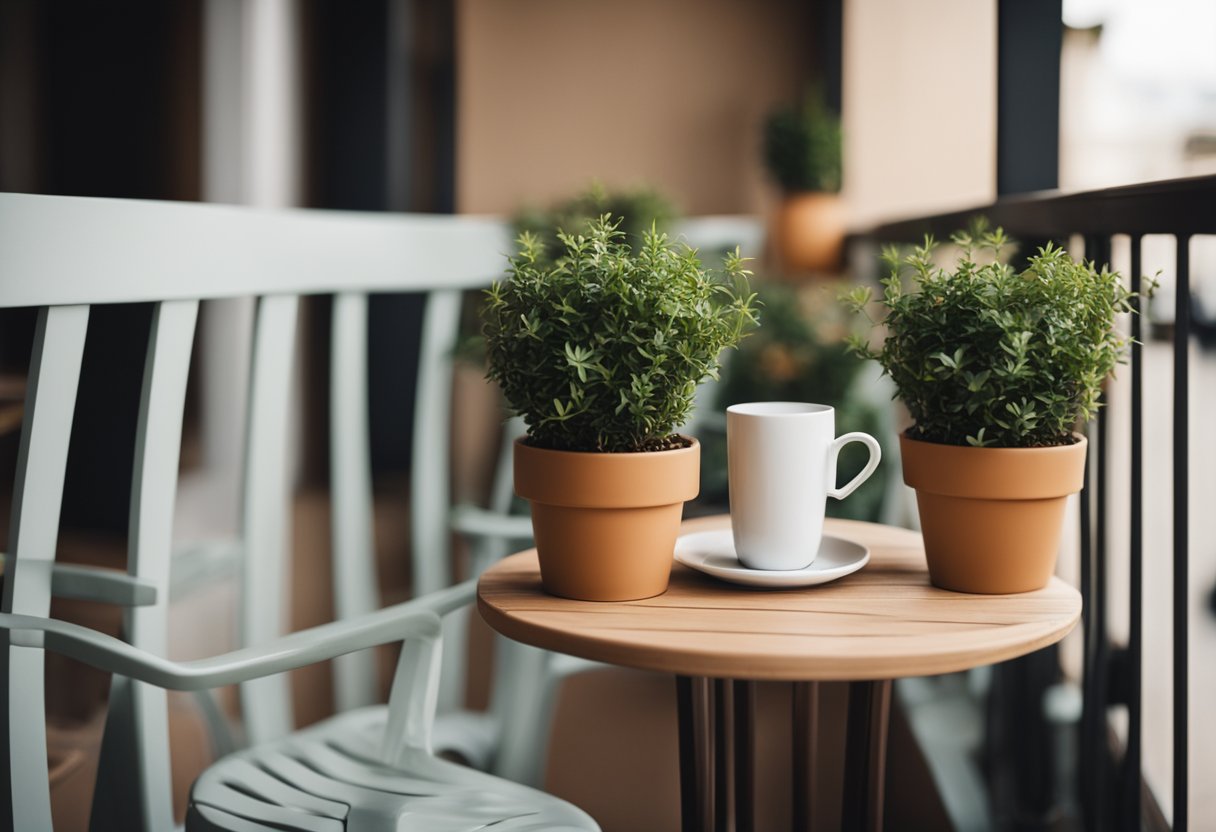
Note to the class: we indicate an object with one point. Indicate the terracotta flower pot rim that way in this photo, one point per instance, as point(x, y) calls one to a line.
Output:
point(994, 473)
point(581, 479)
point(522, 442)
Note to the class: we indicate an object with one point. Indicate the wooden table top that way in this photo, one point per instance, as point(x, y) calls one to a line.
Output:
point(883, 622)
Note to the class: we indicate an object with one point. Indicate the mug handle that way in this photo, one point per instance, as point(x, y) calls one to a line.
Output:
point(875, 457)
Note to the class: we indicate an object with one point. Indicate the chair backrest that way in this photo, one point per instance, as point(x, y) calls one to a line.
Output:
point(64, 255)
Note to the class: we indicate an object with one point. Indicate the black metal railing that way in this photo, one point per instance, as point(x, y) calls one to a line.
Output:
point(1112, 788)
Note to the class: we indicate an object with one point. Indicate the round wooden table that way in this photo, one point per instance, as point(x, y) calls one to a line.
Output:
point(881, 623)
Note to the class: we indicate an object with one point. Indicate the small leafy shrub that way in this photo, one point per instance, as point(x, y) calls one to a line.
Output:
point(983, 354)
point(602, 350)
point(802, 147)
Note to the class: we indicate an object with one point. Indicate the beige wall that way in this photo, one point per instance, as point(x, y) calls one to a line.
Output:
point(553, 93)
point(919, 106)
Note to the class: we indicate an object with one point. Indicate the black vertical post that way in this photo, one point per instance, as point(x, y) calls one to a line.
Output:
point(348, 104)
point(827, 18)
point(115, 108)
point(382, 139)
point(1029, 36)
point(1021, 748)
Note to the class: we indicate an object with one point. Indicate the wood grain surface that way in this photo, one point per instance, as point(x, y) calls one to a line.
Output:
point(883, 622)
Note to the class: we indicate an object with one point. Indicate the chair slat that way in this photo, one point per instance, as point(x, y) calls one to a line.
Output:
point(432, 429)
point(350, 477)
point(136, 735)
point(25, 797)
point(430, 550)
point(266, 704)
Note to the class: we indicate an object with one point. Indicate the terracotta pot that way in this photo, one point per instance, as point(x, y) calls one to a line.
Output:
point(809, 231)
point(991, 517)
point(606, 524)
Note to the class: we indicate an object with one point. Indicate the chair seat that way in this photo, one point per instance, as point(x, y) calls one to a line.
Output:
point(470, 735)
point(326, 779)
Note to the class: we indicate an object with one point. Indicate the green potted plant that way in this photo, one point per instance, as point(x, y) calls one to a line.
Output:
point(998, 367)
point(601, 351)
point(802, 153)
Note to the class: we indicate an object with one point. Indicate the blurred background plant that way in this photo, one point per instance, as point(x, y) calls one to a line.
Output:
point(637, 209)
point(802, 146)
point(800, 355)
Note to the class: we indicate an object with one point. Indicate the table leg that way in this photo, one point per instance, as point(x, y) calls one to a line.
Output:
point(723, 756)
point(866, 755)
point(689, 815)
point(745, 756)
point(805, 746)
point(694, 705)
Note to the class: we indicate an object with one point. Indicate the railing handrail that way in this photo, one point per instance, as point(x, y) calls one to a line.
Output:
point(1170, 206)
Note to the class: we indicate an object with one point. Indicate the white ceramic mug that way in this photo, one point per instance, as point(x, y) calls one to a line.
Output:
point(782, 461)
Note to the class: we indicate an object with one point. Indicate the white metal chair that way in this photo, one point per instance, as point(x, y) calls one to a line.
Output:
point(364, 769)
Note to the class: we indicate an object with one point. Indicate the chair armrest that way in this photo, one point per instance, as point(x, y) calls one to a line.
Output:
point(415, 619)
point(95, 583)
point(482, 522)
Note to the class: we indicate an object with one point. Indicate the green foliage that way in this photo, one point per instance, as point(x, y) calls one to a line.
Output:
point(602, 350)
point(983, 354)
point(802, 147)
point(638, 210)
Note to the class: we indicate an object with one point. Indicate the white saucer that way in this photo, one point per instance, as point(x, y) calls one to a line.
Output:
point(714, 554)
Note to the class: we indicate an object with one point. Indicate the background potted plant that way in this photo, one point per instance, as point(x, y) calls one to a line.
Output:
point(997, 367)
point(802, 153)
point(601, 352)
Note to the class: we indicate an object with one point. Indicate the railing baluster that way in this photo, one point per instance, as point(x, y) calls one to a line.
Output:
point(1086, 778)
point(1102, 611)
point(1131, 759)
point(1101, 644)
point(1100, 752)
point(1182, 332)
point(1093, 753)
